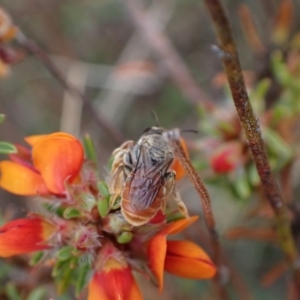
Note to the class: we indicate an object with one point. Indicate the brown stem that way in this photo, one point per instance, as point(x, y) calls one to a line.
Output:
point(33, 48)
point(253, 133)
point(173, 137)
point(165, 51)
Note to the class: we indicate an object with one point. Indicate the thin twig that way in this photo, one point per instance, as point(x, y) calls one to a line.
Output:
point(173, 137)
point(165, 51)
point(32, 47)
point(116, 102)
point(253, 133)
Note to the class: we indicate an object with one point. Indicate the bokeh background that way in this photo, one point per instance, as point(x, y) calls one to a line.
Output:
point(125, 74)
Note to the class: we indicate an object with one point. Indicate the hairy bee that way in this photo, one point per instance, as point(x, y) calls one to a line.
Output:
point(143, 177)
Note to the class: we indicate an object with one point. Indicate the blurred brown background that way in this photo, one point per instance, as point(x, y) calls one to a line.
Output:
point(97, 47)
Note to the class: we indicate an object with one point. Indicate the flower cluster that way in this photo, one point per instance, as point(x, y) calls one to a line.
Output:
point(84, 239)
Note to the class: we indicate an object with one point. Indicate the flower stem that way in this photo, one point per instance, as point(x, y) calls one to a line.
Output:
point(173, 136)
point(32, 47)
point(252, 131)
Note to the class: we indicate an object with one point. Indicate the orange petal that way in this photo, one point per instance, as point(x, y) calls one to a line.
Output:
point(58, 157)
point(156, 257)
point(178, 226)
point(176, 164)
point(114, 282)
point(32, 139)
point(188, 260)
point(21, 180)
point(24, 236)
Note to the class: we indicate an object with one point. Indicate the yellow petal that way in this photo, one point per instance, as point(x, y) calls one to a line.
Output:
point(21, 180)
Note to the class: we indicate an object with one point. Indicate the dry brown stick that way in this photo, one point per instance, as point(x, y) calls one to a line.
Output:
point(165, 51)
point(252, 131)
point(173, 138)
point(32, 47)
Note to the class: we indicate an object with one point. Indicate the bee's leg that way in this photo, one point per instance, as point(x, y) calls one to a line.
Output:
point(181, 206)
point(171, 187)
point(117, 184)
point(120, 153)
point(127, 160)
point(133, 156)
point(125, 146)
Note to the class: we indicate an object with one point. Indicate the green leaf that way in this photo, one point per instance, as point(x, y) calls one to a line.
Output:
point(12, 292)
point(253, 175)
point(90, 149)
point(36, 258)
point(110, 162)
point(241, 186)
point(62, 272)
point(65, 253)
point(38, 293)
point(2, 118)
point(83, 278)
point(70, 213)
point(64, 280)
point(278, 147)
point(53, 208)
point(125, 237)
point(258, 94)
point(103, 188)
point(103, 206)
point(4, 269)
point(7, 148)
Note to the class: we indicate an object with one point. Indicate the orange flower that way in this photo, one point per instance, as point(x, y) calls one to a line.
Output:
point(181, 258)
point(54, 159)
point(24, 235)
point(113, 279)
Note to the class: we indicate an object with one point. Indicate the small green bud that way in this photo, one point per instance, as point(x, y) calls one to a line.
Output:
point(2, 118)
point(241, 185)
point(71, 213)
point(64, 253)
point(90, 149)
point(103, 206)
point(124, 237)
point(103, 189)
point(36, 258)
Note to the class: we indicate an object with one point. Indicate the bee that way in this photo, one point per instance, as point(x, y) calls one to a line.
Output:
point(143, 177)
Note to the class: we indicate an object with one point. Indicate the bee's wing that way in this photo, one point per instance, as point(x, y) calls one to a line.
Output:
point(146, 180)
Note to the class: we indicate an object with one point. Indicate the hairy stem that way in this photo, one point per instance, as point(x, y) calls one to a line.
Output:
point(252, 131)
point(173, 137)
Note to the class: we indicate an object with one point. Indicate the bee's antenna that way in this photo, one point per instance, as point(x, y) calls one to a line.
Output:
point(154, 114)
point(190, 130)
